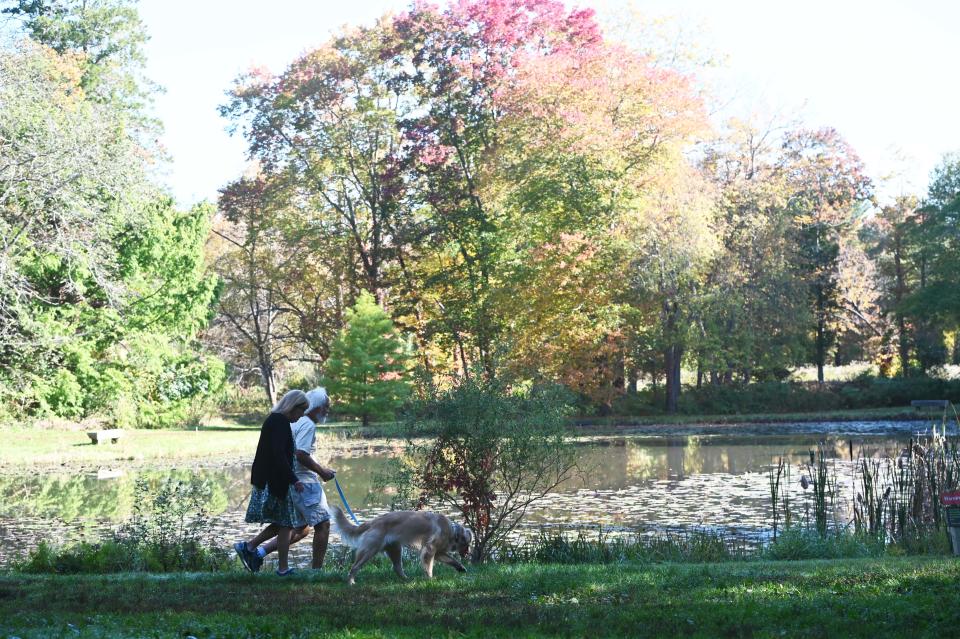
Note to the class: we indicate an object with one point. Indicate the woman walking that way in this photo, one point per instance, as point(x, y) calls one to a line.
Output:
point(270, 500)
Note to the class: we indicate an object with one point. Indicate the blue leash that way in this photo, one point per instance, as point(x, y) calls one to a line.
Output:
point(344, 500)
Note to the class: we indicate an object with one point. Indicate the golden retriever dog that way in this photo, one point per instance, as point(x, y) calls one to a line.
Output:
point(435, 536)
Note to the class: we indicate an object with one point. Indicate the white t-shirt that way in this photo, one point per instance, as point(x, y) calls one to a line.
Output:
point(305, 439)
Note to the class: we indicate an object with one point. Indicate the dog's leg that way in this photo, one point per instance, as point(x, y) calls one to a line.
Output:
point(451, 561)
point(426, 558)
point(364, 554)
point(394, 553)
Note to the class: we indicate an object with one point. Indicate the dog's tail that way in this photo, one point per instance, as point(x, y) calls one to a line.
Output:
point(349, 534)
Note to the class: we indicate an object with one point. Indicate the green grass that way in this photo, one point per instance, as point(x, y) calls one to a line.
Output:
point(223, 441)
point(856, 598)
point(25, 447)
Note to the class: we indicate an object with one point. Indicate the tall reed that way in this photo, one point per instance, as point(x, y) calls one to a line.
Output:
point(776, 474)
point(824, 487)
point(896, 500)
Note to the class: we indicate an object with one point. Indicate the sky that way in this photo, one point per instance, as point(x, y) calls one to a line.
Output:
point(882, 72)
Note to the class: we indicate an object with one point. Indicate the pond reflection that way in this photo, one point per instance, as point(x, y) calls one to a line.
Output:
point(638, 482)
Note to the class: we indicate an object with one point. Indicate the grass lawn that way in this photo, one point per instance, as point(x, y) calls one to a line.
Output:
point(223, 442)
point(896, 597)
point(24, 447)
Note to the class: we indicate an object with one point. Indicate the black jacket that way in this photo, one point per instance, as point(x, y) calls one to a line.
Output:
point(273, 464)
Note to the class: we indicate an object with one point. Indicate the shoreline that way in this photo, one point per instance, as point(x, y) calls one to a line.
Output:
point(222, 444)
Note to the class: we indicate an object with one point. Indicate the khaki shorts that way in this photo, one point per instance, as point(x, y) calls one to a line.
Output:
point(311, 504)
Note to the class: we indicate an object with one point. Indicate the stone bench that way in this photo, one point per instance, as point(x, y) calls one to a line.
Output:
point(97, 436)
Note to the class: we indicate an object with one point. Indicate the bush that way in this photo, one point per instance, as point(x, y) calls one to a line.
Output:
point(807, 543)
point(121, 556)
point(495, 451)
point(558, 546)
point(64, 395)
point(760, 397)
point(794, 397)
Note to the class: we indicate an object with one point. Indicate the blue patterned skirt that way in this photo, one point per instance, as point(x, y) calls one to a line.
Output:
point(265, 508)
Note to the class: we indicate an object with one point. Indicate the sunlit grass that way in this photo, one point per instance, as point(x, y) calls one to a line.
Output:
point(868, 598)
point(833, 373)
point(220, 440)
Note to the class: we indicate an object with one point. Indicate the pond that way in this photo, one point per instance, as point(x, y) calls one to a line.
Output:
point(713, 479)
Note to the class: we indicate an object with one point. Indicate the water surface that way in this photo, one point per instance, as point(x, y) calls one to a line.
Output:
point(646, 482)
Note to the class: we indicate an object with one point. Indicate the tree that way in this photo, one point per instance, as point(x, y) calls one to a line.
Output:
point(530, 130)
point(827, 183)
point(564, 322)
point(282, 298)
point(327, 127)
point(672, 242)
point(103, 282)
point(890, 248)
point(71, 173)
point(750, 315)
point(457, 63)
point(106, 35)
point(933, 233)
point(365, 371)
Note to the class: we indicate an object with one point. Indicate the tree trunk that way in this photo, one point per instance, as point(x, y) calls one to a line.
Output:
point(269, 379)
point(903, 339)
point(633, 378)
point(821, 342)
point(672, 356)
point(903, 346)
point(620, 371)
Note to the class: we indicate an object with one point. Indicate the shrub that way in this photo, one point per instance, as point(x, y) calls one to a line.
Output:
point(785, 397)
point(580, 545)
point(806, 543)
point(495, 451)
point(64, 395)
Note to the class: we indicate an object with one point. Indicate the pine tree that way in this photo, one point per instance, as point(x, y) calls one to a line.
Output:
point(367, 362)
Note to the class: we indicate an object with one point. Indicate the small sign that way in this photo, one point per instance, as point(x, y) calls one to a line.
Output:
point(950, 499)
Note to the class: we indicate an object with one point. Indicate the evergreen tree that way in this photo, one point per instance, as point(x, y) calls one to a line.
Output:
point(367, 362)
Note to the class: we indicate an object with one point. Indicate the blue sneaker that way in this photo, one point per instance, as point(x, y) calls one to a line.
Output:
point(255, 561)
point(244, 554)
point(286, 573)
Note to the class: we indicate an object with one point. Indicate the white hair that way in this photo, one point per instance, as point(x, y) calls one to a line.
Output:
point(317, 397)
point(291, 400)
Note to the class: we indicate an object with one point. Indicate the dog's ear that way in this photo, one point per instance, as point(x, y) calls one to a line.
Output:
point(467, 535)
